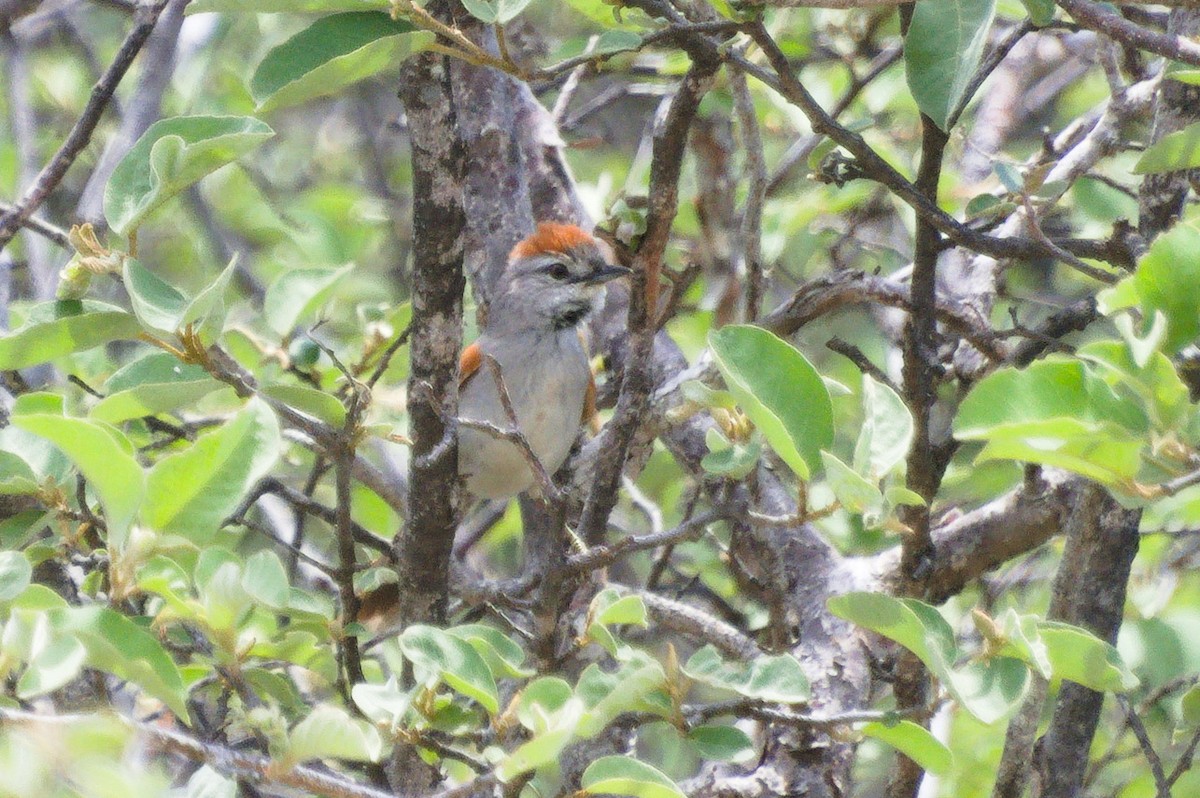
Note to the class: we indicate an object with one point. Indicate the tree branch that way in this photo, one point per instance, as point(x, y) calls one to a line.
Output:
point(52, 173)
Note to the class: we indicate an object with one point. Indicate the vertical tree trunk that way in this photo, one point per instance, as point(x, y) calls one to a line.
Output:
point(424, 545)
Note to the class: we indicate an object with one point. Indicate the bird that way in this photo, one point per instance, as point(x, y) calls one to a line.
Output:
point(551, 283)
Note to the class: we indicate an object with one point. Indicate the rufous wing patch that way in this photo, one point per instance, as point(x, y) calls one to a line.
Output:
point(591, 416)
point(551, 237)
point(468, 363)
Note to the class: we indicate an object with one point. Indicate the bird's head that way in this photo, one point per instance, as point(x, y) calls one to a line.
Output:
point(555, 276)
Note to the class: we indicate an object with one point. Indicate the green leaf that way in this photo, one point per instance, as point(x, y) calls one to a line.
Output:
point(722, 743)
point(54, 667)
point(54, 329)
point(119, 646)
point(1056, 412)
point(330, 54)
point(1172, 153)
point(606, 696)
point(156, 383)
point(452, 660)
point(615, 41)
point(265, 580)
point(856, 494)
point(329, 731)
point(1041, 12)
point(297, 294)
point(171, 155)
point(223, 595)
point(623, 775)
point(1079, 449)
point(285, 6)
point(207, 782)
point(1189, 708)
point(1010, 177)
point(15, 475)
point(103, 455)
point(503, 656)
point(898, 494)
point(190, 493)
point(548, 708)
point(1189, 76)
point(318, 404)
point(160, 306)
point(942, 50)
point(609, 607)
point(1081, 657)
point(1168, 280)
point(382, 703)
point(15, 573)
point(886, 432)
point(916, 743)
point(491, 12)
point(989, 690)
point(1156, 381)
point(769, 678)
point(728, 459)
point(779, 390)
point(1023, 641)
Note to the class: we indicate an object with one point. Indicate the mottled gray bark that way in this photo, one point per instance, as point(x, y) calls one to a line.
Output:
point(1161, 197)
point(1089, 591)
point(424, 544)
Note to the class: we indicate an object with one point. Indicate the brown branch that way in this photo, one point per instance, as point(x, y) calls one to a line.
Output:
point(695, 623)
point(637, 384)
point(972, 544)
point(827, 293)
point(41, 227)
point(1113, 25)
point(602, 556)
point(146, 16)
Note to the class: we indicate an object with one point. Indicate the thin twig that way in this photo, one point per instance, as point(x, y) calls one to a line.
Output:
point(601, 556)
point(40, 226)
point(81, 133)
point(750, 231)
point(860, 359)
point(1161, 785)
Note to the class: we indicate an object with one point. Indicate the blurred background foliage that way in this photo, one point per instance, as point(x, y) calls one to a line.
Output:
point(318, 216)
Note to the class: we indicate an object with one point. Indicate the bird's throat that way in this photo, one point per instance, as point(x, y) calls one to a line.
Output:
point(569, 314)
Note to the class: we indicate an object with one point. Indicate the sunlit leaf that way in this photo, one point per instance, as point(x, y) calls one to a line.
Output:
point(454, 661)
point(776, 677)
point(118, 645)
point(103, 455)
point(15, 572)
point(171, 155)
point(779, 390)
point(1173, 152)
point(192, 492)
point(942, 50)
point(623, 775)
point(916, 743)
point(54, 329)
point(325, 57)
point(329, 731)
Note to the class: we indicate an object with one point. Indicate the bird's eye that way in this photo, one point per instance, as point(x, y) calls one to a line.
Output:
point(558, 271)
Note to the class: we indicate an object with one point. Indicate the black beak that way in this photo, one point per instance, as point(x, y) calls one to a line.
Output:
point(607, 272)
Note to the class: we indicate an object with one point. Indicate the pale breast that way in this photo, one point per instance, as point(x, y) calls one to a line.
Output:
point(547, 384)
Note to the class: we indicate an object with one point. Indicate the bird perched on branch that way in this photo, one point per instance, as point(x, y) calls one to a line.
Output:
point(551, 283)
point(553, 280)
